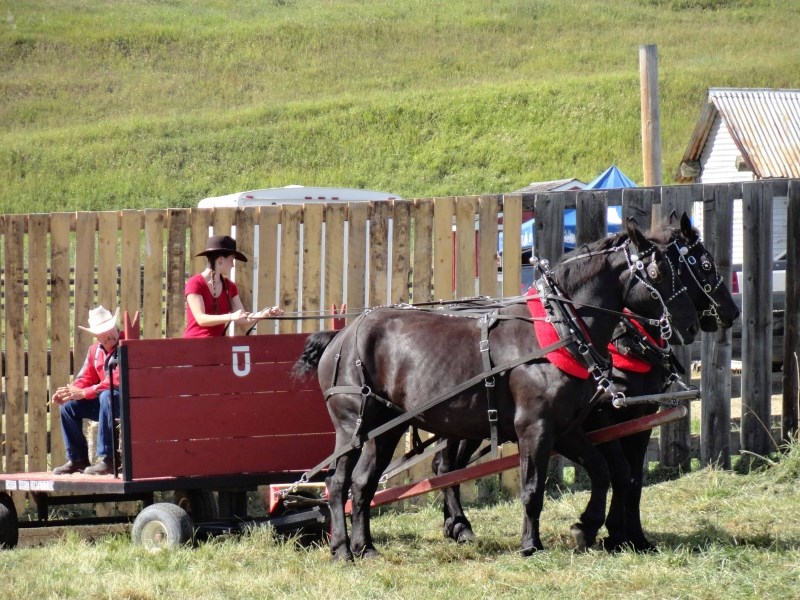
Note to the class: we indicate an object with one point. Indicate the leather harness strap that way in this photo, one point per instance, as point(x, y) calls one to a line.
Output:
point(408, 416)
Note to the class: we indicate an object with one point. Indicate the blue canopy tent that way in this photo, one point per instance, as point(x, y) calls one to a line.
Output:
point(611, 178)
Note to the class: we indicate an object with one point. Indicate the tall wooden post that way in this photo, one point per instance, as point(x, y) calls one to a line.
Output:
point(651, 115)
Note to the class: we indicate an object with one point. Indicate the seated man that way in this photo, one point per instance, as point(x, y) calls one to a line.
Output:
point(89, 397)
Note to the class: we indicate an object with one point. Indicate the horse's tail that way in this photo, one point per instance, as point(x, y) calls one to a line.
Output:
point(312, 353)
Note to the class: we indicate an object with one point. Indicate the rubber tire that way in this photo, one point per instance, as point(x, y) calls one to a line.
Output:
point(200, 505)
point(9, 523)
point(163, 525)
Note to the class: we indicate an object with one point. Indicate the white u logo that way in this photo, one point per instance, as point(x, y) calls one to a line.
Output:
point(237, 370)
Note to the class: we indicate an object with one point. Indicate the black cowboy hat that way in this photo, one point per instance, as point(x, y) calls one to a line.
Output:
point(222, 244)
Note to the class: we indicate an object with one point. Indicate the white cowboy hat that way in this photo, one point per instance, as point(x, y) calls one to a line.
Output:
point(101, 320)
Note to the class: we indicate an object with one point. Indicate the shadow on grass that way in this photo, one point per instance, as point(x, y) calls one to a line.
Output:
point(708, 536)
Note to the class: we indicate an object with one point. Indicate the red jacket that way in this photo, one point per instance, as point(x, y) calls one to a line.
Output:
point(92, 377)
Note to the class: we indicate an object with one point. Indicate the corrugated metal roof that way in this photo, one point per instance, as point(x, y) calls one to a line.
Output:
point(764, 124)
point(551, 186)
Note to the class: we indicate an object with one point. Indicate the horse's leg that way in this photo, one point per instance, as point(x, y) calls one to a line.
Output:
point(620, 472)
point(375, 457)
point(455, 455)
point(338, 487)
point(578, 448)
point(535, 443)
point(635, 449)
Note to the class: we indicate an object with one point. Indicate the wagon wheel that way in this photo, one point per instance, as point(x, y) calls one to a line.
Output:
point(9, 524)
point(162, 525)
point(200, 505)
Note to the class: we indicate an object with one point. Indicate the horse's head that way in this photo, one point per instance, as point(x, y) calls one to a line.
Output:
point(654, 289)
point(698, 271)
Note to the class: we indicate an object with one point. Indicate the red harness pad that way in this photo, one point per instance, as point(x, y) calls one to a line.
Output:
point(546, 334)
point(628, 362)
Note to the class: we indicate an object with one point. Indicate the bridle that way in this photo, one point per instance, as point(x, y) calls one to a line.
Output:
point(706, 268)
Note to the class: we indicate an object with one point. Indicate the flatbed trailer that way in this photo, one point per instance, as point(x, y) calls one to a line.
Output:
point(211, 420)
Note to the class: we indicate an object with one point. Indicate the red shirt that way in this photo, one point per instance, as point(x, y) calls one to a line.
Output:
point(212, 306)
point(92, 377)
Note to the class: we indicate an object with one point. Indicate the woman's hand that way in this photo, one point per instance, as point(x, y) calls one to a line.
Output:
point(273, 311)
point(238, 314)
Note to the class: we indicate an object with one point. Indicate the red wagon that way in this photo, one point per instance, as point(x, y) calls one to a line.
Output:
point(211, 420)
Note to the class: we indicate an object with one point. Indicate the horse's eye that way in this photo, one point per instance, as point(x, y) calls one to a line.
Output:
point(653, 273)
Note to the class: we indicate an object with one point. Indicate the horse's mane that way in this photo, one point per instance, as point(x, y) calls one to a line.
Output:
point(579, 271)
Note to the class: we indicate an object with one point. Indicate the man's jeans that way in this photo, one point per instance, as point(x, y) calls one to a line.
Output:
point(99, 409)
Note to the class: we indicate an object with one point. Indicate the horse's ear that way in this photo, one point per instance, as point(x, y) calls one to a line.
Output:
point(686, 228)
point(635, 235)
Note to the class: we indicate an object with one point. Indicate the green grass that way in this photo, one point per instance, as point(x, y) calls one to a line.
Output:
point(134, 104)
point(720, 534)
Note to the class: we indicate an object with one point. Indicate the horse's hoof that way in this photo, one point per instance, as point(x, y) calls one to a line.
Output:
point(525, 552)
point(466, 536)
point(645, 547)
point(342, 557)
point(582, 540)
point(368, 553)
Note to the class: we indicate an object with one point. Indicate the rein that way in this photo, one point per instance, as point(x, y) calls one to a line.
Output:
point(358, 440)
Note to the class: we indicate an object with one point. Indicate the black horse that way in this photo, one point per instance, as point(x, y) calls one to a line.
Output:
point(392, 360)
point(643, 365)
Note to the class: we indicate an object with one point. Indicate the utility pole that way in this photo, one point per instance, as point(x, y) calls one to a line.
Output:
point(651, 115)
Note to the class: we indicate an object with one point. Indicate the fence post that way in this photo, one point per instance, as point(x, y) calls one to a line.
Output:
point(676, 436)
point(757, 314)
point(715, 377)
point(791, 347)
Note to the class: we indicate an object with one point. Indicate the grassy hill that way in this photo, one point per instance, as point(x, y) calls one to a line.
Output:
point(133, 104)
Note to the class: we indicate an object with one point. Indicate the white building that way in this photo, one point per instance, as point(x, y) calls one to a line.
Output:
point(744, 135)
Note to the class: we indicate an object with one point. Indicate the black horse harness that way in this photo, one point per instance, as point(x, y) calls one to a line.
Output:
point(562, 313)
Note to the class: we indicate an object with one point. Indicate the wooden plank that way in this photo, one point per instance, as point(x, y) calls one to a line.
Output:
point(637, 204)
point(210, 379)
point(228, 415)
point(512, 247)
point(208, 457)
point(422, 272)
point(154, 289)
point(107, 260)
point(312, 264)
point(291, 220)
point(199, 231)
point(14, 334)
point(177, 220)
point(675, 436)
point(488, 256)
point(791, 348)
point(591, 215)
point(223, 220)
point(466, 260)
point(269, 218)
point(715, 406)
point(757, 315)
point(549, 236)
point(378, 253)
point(85, 232)
point(401, 252)
point(335, 218)
point(443, 249)
point(38, 226)
point(244, 271)
point(60, 320)
point(177, 352)
point(130, 293)
point(358, 213)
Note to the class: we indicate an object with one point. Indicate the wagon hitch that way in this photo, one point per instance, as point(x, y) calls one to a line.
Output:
point(666, 399)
